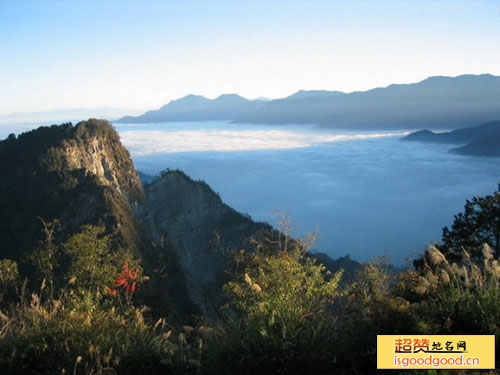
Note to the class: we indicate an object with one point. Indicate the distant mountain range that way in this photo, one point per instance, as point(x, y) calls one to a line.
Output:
point(436, 102)
point(482, 140)
point(198, 108)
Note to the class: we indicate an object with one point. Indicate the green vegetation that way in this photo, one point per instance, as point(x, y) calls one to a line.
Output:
point(44, 176)
point(282, 301)
point(92, 262)
point(280, 294)
point(84, 309)
point(464, 296)
point(83, 317)
point(477, 225)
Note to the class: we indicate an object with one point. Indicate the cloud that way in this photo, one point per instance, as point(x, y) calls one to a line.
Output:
point(150, 142)
point(368, 196)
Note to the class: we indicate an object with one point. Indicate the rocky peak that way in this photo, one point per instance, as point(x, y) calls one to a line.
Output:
point(82, 174)
point(94, 147)
point(78, 174)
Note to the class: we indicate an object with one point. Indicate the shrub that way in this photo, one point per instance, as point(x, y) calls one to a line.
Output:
point(283, 319)
point(281, 293)
point(92, 262)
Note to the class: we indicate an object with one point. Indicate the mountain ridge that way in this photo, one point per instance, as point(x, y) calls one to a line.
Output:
point(82, 175)
point(439, 102)
point(197, 108)
point(481, 140)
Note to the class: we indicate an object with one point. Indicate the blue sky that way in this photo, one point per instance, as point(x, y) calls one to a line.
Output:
point(141, 54)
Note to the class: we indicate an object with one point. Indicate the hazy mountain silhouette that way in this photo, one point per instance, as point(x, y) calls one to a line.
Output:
point(483, 147)
point(436, 102)
point(198, 108)
point(482, 140)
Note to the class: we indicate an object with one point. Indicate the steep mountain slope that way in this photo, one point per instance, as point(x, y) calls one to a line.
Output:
point(198, 108)
point(200, 227)
point(82, 174)
point(437, 102)
point(78, 174)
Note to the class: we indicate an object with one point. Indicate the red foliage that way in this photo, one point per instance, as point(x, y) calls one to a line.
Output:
point(125, 281)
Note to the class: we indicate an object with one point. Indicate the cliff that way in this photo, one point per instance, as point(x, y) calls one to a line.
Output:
point(78, 174)
point(177, 227)
point(200, 227)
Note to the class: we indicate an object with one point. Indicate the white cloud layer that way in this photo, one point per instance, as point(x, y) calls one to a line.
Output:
point(367, 197)
point(150, 142)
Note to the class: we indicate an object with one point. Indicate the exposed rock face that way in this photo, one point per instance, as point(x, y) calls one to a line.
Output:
point(101, 159)
point(83, 175)
point(78, 174)
point(200, 227)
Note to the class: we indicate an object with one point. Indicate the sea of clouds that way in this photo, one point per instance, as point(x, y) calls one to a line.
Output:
point(368, 194)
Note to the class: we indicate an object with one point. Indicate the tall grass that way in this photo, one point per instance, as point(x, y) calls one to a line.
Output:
point(92, 336)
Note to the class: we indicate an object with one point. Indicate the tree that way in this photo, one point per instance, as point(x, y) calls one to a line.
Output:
point(92, 262)
point(477, 225)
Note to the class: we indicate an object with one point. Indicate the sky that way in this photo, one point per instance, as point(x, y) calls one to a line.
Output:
point(138, 55)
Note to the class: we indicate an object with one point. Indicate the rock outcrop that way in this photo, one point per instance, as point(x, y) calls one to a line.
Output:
point(82, 174)
point(78, 174)
point(200, 227)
